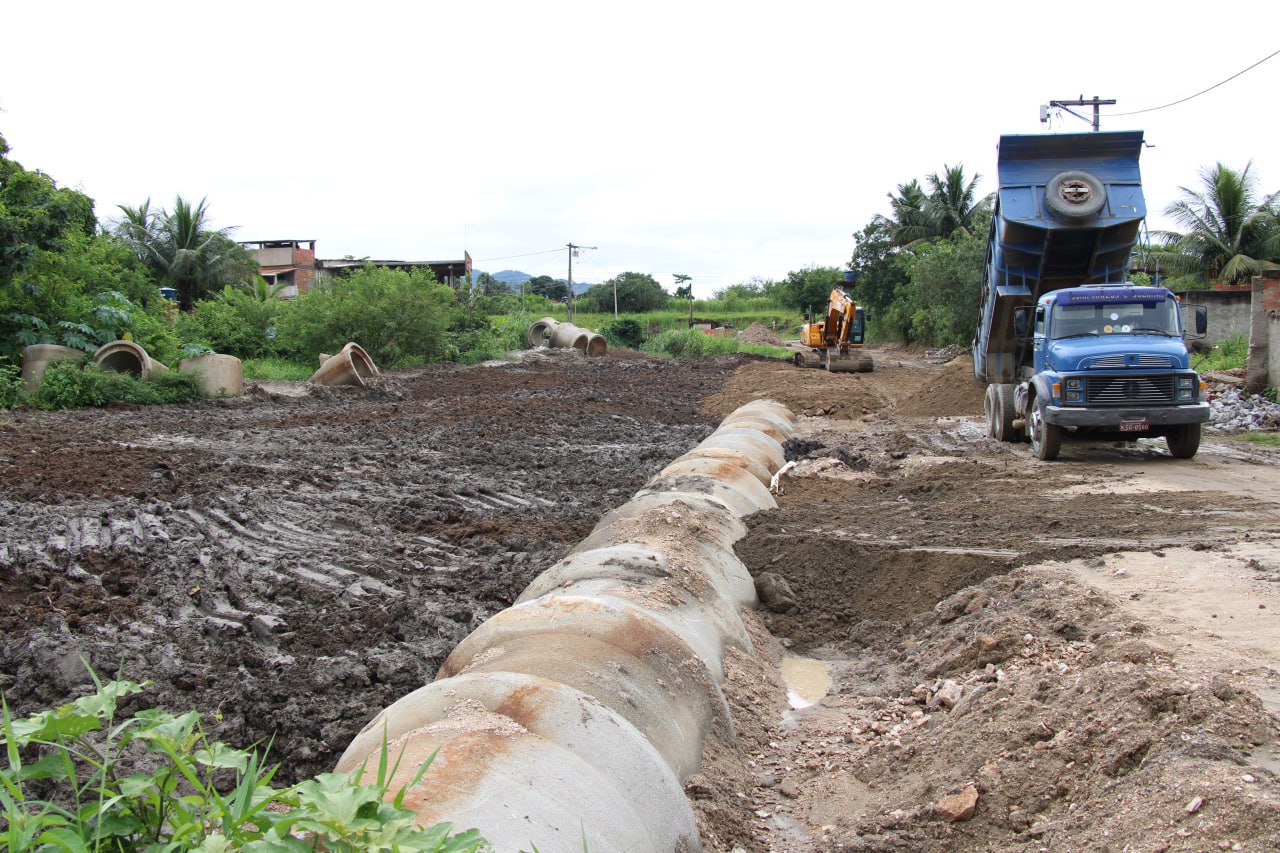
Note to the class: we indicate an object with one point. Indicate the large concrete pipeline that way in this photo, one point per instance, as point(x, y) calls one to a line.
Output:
point(579, 711)
point(551, 332)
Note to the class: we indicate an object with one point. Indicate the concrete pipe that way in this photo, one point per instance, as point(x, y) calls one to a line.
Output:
point(612, 656)
point(615, 652)
point(128, 357)
point(539, 334)
point(569, 336)
point(771, 407)
point(596, 345)
point(350, 366)
point(740, 458)
point(217, 374)
point(37, 358)
point(540, 734)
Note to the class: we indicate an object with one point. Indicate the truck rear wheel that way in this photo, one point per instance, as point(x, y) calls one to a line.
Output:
point(1046, 438)
point(1184, 441)
point(998, 405)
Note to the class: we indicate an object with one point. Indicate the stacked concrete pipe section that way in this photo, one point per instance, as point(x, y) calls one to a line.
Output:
point(578, 712)
point(551, 332)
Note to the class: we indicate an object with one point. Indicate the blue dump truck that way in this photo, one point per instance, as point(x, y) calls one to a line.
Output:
point(1066, 346)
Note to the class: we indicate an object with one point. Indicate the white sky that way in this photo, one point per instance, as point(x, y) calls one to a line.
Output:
point(724, 140)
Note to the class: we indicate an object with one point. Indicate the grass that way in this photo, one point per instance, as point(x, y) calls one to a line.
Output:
point(1225, 355)
point(691, 343)
point(277, 368)
point(656, 322)
point(1271, 439)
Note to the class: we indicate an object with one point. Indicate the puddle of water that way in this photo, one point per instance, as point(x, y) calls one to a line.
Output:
point(807, 681)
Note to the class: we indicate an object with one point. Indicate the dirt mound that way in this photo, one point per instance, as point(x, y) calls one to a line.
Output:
point(951, 392)
point(806, 391)
point(759, 335)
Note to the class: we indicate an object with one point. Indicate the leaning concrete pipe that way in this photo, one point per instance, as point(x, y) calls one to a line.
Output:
point(634, 623)
point(128, 357)
point(350, 366)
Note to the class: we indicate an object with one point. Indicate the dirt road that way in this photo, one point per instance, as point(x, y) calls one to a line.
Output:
point(1086, 652)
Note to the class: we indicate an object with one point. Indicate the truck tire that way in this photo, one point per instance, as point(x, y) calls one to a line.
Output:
point(1046, 438)
point(1183, 441)
point(998, 405)
point(1075, 195)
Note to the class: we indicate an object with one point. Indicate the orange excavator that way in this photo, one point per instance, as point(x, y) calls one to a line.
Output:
point(835, 342)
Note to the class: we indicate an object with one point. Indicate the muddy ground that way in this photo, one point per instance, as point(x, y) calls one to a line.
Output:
point(1072, 656)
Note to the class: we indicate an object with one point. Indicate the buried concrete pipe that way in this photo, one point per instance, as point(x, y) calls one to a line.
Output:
point(567, 335)
point(37, 358)
point(128, 357)
point(545, 713)
point(349, 366)
point(218, 375)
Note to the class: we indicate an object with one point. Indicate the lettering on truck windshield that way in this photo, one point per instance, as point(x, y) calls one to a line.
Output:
point(1125, 318)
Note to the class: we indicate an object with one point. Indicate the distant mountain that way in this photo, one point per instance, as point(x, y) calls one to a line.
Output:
point(515, 278)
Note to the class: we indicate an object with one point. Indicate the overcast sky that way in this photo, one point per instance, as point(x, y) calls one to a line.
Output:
point(720, 140)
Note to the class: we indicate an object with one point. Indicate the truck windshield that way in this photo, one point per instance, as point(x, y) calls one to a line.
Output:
point(1122, 318)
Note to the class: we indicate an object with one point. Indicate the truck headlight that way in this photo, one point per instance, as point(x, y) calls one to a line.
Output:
point(1186, 388)
point(1075, 390)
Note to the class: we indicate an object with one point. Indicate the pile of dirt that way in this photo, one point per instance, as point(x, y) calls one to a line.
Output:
point(757, 334)
point(951, 392)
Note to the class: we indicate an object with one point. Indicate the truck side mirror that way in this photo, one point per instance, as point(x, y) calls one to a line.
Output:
point(1202, 320)
point(1021, 321)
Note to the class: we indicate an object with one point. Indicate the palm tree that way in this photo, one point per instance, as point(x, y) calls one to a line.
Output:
point(951, 207)
point(1231, 234)
point(946, 210)
point(181, 248)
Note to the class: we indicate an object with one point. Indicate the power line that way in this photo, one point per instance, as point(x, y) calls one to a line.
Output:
point(525, 255)
point(1197, 94)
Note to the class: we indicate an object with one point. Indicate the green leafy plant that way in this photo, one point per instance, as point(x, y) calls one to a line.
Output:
point(624, 332)
point(1225, 355)
point(66, 385)
point(76, 779)
point(10, 385)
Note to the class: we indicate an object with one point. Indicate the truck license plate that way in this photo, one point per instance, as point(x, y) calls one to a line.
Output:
point(1133, 426)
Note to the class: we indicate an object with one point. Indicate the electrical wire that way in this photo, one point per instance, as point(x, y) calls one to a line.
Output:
point(1197, 94)
point(525, 255)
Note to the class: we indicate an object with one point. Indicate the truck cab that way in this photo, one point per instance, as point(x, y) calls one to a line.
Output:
point(1066, 346)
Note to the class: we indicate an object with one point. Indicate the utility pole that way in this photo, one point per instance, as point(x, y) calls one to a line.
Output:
point(573, 253)
point(1081, 101)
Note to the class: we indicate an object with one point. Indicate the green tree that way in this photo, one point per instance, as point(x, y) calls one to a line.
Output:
point(36, 216)
point(398, 316)
point(487, 285)
point(809, 289)
point(947, 275)
point(1231, 234)
point(183, 249)
point(548, 287)
point(637, 292)
point(949, 207)
point(881, 273)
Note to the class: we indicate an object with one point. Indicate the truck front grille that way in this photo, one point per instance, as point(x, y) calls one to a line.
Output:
point(1129, 390)
point(1140, 360)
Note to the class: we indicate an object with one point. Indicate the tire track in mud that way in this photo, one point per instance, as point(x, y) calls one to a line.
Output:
point(299, 562)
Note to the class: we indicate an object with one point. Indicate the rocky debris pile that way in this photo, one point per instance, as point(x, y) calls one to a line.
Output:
point(1234, 411)
point(942, 356)
point(757, 334)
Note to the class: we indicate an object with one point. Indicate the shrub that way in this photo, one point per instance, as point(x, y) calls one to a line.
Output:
point(10, 385)
point(624, 332)
point(1225, 355)
point(233, 323)
point(66, 385)
point(156, 782)
point(398, 317)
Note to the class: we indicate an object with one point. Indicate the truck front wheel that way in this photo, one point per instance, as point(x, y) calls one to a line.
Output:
point(1046, 438)
point(1184, 441)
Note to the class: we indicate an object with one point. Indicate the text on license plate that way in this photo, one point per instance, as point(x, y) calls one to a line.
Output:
point(1133, 426)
